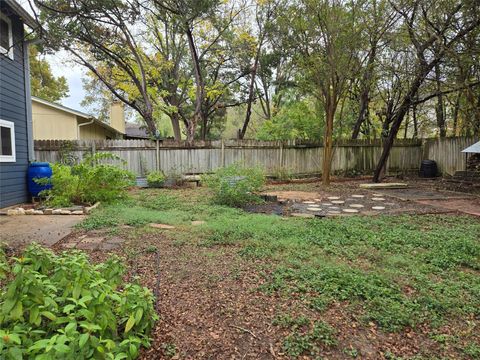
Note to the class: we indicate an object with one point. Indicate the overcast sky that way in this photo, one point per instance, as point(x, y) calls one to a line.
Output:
point(73, 73)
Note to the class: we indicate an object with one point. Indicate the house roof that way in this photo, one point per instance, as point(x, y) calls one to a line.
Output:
point(136, 131)
point(20, 10)
point(75, 112)
point(475, 148)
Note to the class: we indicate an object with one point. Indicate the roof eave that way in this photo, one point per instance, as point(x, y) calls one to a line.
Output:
point(20, 10)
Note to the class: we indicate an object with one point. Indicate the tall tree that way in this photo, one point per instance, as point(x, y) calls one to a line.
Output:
point(44, 84)
point(327, 36)
point(440, 25)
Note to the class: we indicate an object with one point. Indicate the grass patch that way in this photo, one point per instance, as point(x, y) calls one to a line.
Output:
point(397, 271)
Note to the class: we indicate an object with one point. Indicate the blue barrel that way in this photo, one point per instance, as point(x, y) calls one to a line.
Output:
point(38, 170)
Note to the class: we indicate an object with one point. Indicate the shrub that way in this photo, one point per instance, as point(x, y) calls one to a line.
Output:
point(235, 185)
point(87, 182)
point(62, 307)
point(156, 179)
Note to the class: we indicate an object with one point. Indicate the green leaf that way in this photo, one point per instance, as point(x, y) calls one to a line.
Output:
point(68, 308)
point(34, 312)
point(130, 323)
point(82, 340)
point(138, 315)
point(17, 311)
point(48, 315)
point(15, 338)
point(62, 348)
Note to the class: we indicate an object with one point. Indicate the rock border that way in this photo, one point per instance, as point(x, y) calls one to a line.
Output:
point(81, 210)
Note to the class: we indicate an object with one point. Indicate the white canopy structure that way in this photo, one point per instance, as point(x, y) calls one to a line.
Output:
point(475, 148)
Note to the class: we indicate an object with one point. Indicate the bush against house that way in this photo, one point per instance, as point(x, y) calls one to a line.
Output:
point(63, 307)
point(89, 181)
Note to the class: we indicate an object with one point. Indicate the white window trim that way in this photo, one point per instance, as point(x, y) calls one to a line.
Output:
point(7, 52)
point(9, 158)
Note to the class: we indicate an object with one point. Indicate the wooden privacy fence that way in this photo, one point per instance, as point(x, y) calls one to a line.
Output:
point(295, 157)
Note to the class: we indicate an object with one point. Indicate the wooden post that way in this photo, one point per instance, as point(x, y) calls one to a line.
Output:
point(281, 154)
point(222, 154)
point(158, 154)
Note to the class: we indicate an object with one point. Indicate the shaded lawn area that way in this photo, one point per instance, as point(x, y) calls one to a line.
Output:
point(368, 287)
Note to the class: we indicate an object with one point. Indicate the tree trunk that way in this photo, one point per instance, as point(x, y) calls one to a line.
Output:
point(365, 93)
point(197, 115)
point(174, 118)
point(397, 121)
point(439, 109)
point(456, 107)
point(251, 90)
point(328, 141)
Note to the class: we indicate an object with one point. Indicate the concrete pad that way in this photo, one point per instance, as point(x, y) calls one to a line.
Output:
point(413, 194)
point(45, 230)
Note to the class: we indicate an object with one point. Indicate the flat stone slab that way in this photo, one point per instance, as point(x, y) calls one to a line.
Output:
point(356, 206)
point(303, 215)
point(198, 222)
point(45, 230)
point(384, 186)
point(162, 226)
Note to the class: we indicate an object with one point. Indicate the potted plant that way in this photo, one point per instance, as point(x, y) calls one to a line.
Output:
point(156, 179)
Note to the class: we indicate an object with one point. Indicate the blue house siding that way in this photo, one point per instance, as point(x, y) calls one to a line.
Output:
point(13, 182)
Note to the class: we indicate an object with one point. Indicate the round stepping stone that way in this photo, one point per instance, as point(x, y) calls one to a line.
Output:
point(378, 207)
point(333, 212)
point(326, 204)
point(317, 199)
point(333, 208)
point(314, 209)
point(378, 199)
point(315, 205)
point(350, 211)
point(358, 196)
point(333, 198)
point(357, 206)
point(309, 202)
point(377, 195)
point(338, 202)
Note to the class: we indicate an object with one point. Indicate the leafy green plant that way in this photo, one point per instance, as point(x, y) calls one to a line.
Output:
point(155, 179)
point(89, 181)
point(235, 185)
point(63, 307)
point(321, 334)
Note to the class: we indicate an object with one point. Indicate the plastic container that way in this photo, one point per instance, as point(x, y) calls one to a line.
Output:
point(428, 169)
point(38, 170)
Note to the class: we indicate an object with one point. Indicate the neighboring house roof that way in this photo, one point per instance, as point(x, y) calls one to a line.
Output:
point(136, 131)
point(475, 148)
point(26, 17)
point(75, 112)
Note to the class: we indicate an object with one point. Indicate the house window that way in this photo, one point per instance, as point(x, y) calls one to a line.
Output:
point(6, 39)
point(7, 141)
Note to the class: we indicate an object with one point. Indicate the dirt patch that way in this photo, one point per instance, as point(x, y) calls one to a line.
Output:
point(467, 206)
point(210, 307)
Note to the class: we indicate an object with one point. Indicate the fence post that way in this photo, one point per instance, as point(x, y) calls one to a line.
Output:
point(281, 154)
point(158, 154)
point(222, 154)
